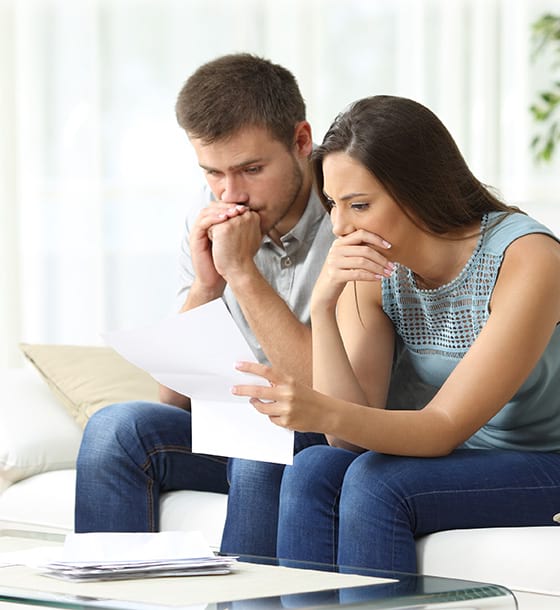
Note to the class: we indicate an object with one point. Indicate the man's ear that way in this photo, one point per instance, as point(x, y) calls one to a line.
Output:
point(303, 139)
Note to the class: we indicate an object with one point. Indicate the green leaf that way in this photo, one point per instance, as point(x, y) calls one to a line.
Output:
point(546, 36)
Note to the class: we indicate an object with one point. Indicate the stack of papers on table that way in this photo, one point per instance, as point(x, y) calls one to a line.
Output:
point(118, 556)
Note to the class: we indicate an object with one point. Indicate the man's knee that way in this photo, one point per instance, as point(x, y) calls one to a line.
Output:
point(108, 420)
point(108, 430)
point(241, 471)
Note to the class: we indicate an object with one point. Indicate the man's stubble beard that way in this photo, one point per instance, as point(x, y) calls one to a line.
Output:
point(297, 181)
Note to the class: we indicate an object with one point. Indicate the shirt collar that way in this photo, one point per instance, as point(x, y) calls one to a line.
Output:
point(307, 225)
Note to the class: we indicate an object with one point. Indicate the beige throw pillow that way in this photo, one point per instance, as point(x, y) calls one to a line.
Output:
point(87, 378)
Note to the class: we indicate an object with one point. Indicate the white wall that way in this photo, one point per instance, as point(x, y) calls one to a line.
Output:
point(95, 174)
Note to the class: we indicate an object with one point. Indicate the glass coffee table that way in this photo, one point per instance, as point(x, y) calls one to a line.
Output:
point(258, 583)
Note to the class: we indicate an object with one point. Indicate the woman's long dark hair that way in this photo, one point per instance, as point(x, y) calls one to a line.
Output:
point(409, 150)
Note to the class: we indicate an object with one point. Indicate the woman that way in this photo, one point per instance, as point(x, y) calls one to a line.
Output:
point(472, 286)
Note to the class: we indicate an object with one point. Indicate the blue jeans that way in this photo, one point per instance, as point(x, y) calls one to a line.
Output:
point(130, 454)
point(367, 510)
point(254, 493)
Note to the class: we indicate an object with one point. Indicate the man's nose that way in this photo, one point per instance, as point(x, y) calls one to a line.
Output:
point(234, 191)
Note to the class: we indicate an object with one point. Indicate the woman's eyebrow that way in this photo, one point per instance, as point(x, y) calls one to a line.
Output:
point(352, 196)
point(346, 197)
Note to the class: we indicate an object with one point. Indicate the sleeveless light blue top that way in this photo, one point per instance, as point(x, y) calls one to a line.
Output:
point(438, 327)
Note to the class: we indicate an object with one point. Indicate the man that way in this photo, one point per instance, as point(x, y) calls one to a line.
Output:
point(259, 244)
point(258, 240)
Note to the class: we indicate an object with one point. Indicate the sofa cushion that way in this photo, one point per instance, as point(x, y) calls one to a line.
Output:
point(183, 510)
point(42, 502)
point(521, 558)
point(204, 511)
point(87, 378)
point(36, 432)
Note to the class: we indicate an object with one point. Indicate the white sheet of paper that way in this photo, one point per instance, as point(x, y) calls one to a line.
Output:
point(106, 547)
point(194, 353)
point(237, 429)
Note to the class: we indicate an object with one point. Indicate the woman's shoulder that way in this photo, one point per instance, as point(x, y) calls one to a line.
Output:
point(502, 229)
point(528, 248)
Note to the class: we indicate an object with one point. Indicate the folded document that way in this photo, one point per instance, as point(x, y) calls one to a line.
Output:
point(118, 556)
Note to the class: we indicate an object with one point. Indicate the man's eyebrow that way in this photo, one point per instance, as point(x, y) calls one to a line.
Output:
point(255, 161)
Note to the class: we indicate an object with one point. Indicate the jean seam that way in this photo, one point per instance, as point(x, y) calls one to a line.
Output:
point(150, 485)
point(480, 490)
point(150, 502)
point(334, 542)
point(177, 449)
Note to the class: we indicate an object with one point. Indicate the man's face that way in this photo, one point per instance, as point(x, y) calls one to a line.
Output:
point(254, 169)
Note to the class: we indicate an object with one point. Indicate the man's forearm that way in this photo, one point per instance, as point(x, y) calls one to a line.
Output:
point(170, 397)
point(200, 295)
point(284, 339)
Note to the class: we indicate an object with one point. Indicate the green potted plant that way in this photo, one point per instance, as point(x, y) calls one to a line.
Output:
point(546, 111)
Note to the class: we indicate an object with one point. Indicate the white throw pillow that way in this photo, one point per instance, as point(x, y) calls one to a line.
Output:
point(36, 432)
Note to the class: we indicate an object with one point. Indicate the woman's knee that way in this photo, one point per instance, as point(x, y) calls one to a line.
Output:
point(377, 482)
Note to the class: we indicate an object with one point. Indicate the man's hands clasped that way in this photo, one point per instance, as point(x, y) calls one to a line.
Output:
point(224, 240)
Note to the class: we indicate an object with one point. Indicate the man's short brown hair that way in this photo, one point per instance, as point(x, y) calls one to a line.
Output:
point(240, 90)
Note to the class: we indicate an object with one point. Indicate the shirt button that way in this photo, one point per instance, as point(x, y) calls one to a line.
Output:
point(286, 262)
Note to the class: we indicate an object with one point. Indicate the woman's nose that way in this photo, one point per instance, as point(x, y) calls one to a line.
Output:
point(341, 223)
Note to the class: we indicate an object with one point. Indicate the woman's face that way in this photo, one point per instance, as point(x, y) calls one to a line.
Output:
point(359, 201)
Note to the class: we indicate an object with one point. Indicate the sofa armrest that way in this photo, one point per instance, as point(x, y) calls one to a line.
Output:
point(36, 432)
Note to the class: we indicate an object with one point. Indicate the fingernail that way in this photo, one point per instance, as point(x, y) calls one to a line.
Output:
point(386, 244)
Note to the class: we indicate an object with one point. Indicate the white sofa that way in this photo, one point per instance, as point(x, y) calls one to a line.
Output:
point(39, 440)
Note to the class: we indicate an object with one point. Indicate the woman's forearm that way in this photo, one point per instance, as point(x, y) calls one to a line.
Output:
point(332, 372)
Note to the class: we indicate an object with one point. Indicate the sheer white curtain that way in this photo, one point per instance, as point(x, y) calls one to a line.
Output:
point(95, 174)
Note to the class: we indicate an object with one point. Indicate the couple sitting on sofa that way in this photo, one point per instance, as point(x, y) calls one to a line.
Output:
point(417, 265)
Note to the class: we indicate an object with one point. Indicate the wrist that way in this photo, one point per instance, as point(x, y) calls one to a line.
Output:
point(322, 309)
point(331, 418)
point(240, 276)
point(199, 294)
